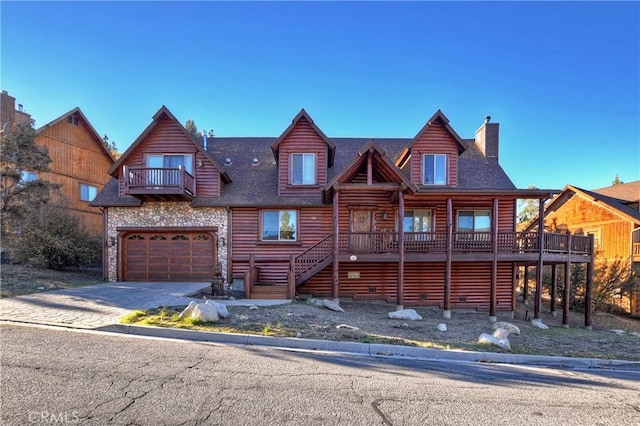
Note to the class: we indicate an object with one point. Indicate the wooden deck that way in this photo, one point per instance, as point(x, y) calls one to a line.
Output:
point(159, 182)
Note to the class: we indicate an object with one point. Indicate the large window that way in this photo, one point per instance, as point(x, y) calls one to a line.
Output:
point(171, 161)
point(279, 225)
point(417, 221)
point(434, 169)
point(474, 221)
point(88, 192)
point(303, 169)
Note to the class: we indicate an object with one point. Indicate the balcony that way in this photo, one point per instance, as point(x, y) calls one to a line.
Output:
point(159, 183)
point(421, 246)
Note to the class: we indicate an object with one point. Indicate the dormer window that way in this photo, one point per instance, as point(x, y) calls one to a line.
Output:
point(434, 169)
point(303, 169)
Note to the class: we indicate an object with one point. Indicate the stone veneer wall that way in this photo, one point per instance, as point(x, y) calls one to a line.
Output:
point(165, 214)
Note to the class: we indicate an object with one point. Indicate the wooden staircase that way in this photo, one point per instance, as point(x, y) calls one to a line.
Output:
point(313, 260)
point(268, 291)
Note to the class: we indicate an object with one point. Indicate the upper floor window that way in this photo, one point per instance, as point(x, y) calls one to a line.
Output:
point(27, 176)
point(279, 225)
point(88, 192)
point(303, 169)
point(474, 221)
point(72, 119)
point(171, 161)
point(417, 221)
point(434, 169)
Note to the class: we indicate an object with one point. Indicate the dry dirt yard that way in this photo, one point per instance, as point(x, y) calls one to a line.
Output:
point(17, 280)
point(463, 329)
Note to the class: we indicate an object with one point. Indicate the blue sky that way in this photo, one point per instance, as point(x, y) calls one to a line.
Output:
point(562, 79)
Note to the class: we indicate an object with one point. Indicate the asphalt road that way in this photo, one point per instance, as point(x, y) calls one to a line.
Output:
point(52, 376)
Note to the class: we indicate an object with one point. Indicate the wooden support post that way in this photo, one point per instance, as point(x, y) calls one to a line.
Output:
point(291, 281)
point(400, 295)
point(250, 276)
point(494, 264)
point(514, 283)
point(554, 290)
point(336, 227)
point(369, 168)
point(447, 267)
point(538, 295)
point(525, 285)
point(588, 297)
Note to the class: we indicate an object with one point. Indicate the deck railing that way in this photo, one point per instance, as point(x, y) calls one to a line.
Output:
point(636, 249)
point(308, 259)
point(507, 242)
point(149, 179)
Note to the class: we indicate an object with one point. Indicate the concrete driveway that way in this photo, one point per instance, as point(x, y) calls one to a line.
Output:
point(97, 305)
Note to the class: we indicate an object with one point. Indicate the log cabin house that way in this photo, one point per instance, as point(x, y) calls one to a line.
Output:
point(79, 159)
point(428, 221)
point(612, 216)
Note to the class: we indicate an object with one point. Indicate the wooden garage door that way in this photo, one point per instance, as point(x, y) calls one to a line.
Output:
point(168, 256)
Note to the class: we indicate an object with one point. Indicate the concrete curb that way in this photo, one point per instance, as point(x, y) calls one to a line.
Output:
point(369, 349)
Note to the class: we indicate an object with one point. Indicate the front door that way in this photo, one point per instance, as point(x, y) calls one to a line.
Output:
point(361, 227)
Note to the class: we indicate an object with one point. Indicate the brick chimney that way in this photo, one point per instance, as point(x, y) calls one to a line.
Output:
point(487, 138)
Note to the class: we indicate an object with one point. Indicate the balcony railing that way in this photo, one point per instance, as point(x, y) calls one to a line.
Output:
point(149, 180)
point(479, 242)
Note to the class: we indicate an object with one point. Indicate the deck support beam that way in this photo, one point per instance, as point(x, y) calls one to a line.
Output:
point(537, 302)
point(567, 286)
point(525, 285)
point(336, 266)
point(588, 305)
point(400, 295)
point(494, 264)
point(554, 289)
point(447, 269)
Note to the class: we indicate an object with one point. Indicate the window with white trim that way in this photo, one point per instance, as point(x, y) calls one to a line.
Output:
point(417, 221)
point(88, 192)
point(303, 169)
point(279, 225)
point(434, 169)
point(474, 225)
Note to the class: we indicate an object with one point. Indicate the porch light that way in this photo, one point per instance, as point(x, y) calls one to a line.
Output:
point(385, 216)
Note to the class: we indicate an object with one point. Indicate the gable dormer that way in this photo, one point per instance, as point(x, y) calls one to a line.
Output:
point(432, 156)
point(166, 163)
point(303, 154)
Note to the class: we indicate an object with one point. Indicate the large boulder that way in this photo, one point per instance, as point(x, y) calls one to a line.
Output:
point(538, 324)
point(221, 308)
point(205, 313)
point(501, 333)
point(513, 329)
point(405, 314)
point(330, 304)
point(502, 343)
point(188, 310)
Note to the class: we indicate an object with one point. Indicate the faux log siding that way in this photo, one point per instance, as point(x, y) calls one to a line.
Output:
point(423, 284)
point(302, 139)
point(167, 138)
point(76, 159)
point(314, 224)
point(435, 139)
point(583, 216)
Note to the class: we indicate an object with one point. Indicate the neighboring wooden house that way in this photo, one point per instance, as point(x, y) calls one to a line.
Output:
point(79, 161)
point(423, 221)
point(611, 215)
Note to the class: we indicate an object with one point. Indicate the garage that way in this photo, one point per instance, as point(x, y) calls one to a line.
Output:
point(176, 255)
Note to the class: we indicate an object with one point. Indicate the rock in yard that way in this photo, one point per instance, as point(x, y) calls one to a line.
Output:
point(314, 302)
point(205, 313)
point(405, 314)
point(513, 329)
point(350, 327)
point(502, 343)
point(538, 324)
point(222, 310)
point(501, 333)
point(253, 308)
point(329, 304)
point(187, 311)
point(619, 332)
point(442, 327)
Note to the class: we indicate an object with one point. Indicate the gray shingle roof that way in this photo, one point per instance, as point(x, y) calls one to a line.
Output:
point(258, 184)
